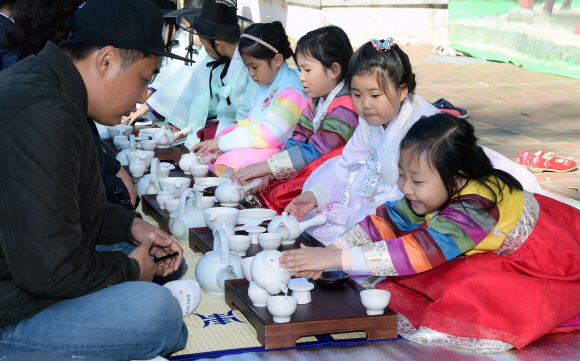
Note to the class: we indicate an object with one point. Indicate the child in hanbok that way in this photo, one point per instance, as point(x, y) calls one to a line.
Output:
point(325, 125)
point(216, 86)
point(276, 102)
point(472, 260)
point(349, 187)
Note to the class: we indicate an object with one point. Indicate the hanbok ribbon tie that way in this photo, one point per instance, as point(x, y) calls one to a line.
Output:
point(225, 91)
point(213, 65)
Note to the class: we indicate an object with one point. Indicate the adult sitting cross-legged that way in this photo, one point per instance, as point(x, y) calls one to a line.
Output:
point(69, 262)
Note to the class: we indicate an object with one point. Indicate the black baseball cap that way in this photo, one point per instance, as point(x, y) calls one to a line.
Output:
point(125, 24)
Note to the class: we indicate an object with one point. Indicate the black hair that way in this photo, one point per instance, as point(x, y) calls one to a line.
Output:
point(273, 34)
point(7, 4)
point(328, 45)
point(79, 51)
point(390, 66)
point(450, 146)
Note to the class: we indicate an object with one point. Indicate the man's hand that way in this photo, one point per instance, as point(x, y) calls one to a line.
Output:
point(129, 184)
point(147, 268)
point(141, 111)
point(162, 246)
point(209, 146)
point(311, 259)
point(256, 170)
point(301, 205)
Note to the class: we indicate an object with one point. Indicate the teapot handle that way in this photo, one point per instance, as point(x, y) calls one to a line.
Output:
point(154, 169)
point(221, 242)
point(182, 201)
point(319, 220)
point(252, 184)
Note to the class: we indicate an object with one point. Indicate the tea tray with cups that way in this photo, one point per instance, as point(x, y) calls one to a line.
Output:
point(335, 309)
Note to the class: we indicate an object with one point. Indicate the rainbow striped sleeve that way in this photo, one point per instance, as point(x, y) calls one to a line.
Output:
point(273, 130)
point(411, 244)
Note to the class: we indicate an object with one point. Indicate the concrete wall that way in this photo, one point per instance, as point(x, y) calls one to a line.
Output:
point(414, 22)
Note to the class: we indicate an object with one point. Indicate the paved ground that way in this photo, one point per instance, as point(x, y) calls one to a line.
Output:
point(512, 109)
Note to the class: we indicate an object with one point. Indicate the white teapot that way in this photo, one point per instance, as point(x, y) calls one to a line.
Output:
point(290, 228)
point(267, 273)
point(187, 160)
point(165, 137)
point(230, 194)
point(218, 265)
point(192, 219)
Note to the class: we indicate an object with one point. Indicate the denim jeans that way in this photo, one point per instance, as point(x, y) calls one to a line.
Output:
point(130, 320)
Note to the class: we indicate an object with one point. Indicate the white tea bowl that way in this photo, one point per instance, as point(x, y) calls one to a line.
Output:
point(207, 202)
point(198, 171)
point(171, 205)
point(215, 216)
point(148, 144)
point(270, 241)
point(246, 269)
point(282, 307)
point(175, 185)
point(254, 232)
point(239, 244)
point(375, 301)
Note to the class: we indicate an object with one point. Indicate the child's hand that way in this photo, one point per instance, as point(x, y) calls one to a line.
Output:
point(262, 186)
point(141, 111)
point(252, 171)
point(209, 146)
point(314, 275)
point(301, 205)
point(311, 259)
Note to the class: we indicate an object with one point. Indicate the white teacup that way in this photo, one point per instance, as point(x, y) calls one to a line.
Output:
point(137, 168)
point(258, 295)
point(239, 244)
point(254, 232)
point(124, 144)
point(270, 241)
point(164, 170)
point(207, 202)
point(375, 301)
point(148, 144)
point(246, 268)
point(117, 139)
point(282, 307)
point(198, 171)
point(171, 205)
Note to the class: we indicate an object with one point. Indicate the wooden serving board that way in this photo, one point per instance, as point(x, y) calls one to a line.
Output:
point(334, 309)
point(201, 240)
point(164, 154)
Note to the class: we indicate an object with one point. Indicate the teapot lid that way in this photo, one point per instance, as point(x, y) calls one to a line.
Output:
point(272, 262)
point(299, 284)
point(137, 162)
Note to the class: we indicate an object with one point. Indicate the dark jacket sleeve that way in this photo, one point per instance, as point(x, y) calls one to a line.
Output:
point(117, 225)
point(44, 236)
point(112, 165)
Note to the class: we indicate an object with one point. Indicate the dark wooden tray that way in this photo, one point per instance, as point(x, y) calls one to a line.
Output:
point(172, 153)
point(334, 309)
point(201, 240)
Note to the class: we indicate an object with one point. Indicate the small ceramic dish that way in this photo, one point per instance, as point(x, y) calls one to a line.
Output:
point(262, 214)
point(333, 278)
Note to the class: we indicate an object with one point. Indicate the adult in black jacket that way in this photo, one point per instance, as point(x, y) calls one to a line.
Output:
point(57, 292)
point(7, 56)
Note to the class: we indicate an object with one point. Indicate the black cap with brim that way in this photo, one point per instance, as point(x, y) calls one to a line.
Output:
point(124, 24)
point(202, 28)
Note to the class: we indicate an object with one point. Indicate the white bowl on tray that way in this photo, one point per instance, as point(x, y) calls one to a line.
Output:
point(262, 214)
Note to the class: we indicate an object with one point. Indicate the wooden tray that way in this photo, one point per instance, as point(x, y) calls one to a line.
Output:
point(172, 153)
point(334, 309)
point(201, 240)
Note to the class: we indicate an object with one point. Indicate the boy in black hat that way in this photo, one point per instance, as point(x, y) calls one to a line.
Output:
point(66, 255)
point(189, 102)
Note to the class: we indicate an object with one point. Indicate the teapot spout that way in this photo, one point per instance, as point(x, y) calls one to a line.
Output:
point(316, 221)
point(276, 287)
point(283, 230)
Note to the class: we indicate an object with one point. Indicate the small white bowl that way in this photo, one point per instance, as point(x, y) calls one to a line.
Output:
point(176, 185)
point(246, 268)
point(171, 205)
point(270, 241)
point(375, 301)
point(164, 170)
point(282, 307)
point(262, 214)
point(147, 132)
point(148, 144)
point(214, 216)
point(139, 154)
point(198, 171)
point(124, 144)
point(239, 244)
point(207, 202)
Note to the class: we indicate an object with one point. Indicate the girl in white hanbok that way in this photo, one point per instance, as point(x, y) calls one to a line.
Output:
point(350, 187)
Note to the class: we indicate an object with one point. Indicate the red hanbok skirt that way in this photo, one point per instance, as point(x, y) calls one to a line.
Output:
point(515, 299)
point(281, 192)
